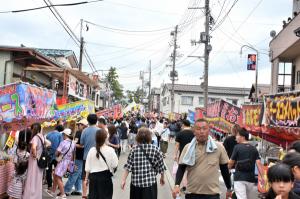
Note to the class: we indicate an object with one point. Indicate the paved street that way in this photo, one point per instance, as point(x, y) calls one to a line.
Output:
point(163, 191)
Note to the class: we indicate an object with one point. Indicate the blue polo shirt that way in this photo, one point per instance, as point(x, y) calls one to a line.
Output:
point(55, 138)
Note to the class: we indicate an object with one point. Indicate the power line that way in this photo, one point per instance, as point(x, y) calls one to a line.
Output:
point(69, 31)
point(49, 6)
point(126, 30)
point(224, 18)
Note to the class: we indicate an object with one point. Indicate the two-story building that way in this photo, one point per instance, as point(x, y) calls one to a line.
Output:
point(285, 54)
point(188, 97)
point(49, 68)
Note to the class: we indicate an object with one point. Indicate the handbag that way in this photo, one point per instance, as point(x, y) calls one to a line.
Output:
point(61, 156)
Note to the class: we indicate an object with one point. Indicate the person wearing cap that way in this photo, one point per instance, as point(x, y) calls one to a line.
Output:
point(64, 154)
point(75, 179)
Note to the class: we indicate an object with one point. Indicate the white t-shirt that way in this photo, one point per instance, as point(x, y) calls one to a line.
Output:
point(165, 134)
point(93, 164)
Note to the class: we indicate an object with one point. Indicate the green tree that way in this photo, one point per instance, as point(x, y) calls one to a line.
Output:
point(116, 87)
point(135, 95)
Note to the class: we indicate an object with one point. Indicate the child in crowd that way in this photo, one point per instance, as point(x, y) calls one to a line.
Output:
point(16, 187)
point(281, 180)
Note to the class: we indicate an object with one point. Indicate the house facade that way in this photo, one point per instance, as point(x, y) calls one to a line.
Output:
point(188, 97)
point(285, 54)
point(49, 68)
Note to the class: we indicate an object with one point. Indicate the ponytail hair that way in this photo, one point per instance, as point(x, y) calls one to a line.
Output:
point(101, 136)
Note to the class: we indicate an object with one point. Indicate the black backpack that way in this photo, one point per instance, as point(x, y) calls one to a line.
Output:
point(44, 159)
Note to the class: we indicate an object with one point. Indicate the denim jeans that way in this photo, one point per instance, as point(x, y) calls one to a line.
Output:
point(75, 178)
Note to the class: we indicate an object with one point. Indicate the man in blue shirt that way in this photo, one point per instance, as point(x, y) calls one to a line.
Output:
point(88, 141)
point(55, 137)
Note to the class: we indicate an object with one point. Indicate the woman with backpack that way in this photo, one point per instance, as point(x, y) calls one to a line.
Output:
point(34, 182)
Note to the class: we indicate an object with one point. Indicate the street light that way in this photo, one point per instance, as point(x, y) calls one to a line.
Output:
point(256, 68)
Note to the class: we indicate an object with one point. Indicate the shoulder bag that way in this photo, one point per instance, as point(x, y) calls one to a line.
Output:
point(61, 156)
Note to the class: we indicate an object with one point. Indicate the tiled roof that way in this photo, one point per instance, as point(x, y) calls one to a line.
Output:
point(211, 89)
point(52, 53)
point(55, 52)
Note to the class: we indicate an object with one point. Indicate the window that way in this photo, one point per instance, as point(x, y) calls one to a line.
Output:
point(298, 77)
point(284, 76)
point(187, 100)
point(201, 101)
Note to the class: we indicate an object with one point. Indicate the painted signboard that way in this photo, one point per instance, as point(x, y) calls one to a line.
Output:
point(77, 88)
point(252, 117)
point(114, 112)
point(75, 109)
point(22, 100)
point(282, 110)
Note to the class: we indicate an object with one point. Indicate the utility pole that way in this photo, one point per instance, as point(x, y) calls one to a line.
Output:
point(173, 73)
point(142, 78)
point(81, 45)
point(149, 94)
point(205, 38)
point(207, 50)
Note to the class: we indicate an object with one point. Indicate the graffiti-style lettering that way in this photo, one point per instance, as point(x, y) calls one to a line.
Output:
point(18, 108)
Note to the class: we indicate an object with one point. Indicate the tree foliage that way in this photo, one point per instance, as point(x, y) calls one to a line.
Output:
point(136, 95)
point(116, 87)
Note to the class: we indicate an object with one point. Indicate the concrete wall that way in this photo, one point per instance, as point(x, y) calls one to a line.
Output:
point(284, 39)
point(4, 56)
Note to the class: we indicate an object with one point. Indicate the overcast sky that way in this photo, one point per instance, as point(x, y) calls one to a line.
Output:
point(143, 34)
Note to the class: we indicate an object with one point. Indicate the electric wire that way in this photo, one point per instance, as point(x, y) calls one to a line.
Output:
point(49, 6)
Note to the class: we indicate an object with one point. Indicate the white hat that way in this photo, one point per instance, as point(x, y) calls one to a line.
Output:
point(67, 132)
point(83, 121)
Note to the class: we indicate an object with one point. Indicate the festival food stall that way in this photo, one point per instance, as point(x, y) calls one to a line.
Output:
point(21, 104)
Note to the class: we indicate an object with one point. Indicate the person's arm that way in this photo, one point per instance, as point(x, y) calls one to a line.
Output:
point(176, 154)
point(179, 175)
point(124, 179)
point(226, 175)
point(162, 178)
point(233, 158)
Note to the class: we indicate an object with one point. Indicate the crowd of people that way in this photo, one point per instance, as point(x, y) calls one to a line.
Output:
point(89, 157)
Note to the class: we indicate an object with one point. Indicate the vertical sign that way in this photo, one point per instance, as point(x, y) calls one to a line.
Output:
point(251, 63)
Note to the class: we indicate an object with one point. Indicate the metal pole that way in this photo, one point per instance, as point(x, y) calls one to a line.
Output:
point(256, 68)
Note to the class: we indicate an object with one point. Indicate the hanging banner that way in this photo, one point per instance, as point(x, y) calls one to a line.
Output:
point(229, 112)
point(114, 112)
point(77, 88)
point(191, 117)
point(282, 110)
point(251, 62)
point(21, 100)
point(222, 115)
point(75, 109)
point(252, 117)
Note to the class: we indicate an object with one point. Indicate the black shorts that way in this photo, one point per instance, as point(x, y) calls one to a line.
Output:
point(83, 171)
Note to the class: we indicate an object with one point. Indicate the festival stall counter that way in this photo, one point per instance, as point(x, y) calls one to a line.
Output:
point(21, 104)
